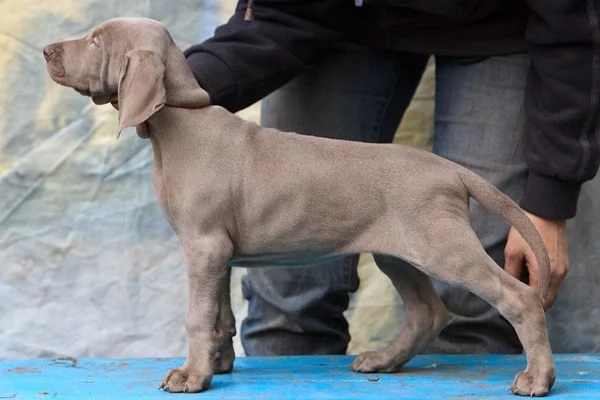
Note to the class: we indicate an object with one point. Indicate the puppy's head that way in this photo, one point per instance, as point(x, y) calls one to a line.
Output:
point(123, 61)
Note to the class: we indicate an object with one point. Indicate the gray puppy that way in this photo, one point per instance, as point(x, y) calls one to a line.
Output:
point(239, 194)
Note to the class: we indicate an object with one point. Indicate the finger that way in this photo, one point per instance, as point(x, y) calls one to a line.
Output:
point(551, 295)
point(513, 261)
point(514, 266)
point(555, 283)
point(550, 298)
point(532, 268)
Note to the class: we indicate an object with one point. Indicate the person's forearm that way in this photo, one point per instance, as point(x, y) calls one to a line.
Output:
point(562, 104)
point(246, 60)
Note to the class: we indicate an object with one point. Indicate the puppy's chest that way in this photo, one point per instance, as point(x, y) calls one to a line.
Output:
point(180, 189)
point(160, 182)
point(160, 188)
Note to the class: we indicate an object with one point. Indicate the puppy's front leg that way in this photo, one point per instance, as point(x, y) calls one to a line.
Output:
point(207, 266)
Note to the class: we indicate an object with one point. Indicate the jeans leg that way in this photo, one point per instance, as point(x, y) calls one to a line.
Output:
point(355, 94)
point(480, 123)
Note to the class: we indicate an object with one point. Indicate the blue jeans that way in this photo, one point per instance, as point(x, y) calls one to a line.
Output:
point(361, 94)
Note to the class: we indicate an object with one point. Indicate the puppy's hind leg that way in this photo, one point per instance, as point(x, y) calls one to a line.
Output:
point(460, 260)
point(425, 316)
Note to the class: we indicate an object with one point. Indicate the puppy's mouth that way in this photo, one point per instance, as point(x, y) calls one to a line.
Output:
point(84, 92)
point(102, 98)
point(97, 98)
point(56, 71)
point(114, 101)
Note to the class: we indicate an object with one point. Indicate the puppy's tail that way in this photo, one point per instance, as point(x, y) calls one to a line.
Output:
point(500, 204)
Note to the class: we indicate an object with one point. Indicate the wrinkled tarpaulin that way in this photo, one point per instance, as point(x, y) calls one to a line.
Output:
point(89, 267)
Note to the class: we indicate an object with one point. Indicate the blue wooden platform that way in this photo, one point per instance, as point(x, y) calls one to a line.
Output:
point(307, 378)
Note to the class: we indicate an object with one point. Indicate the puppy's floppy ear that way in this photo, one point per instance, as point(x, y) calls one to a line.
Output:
point(141, 88)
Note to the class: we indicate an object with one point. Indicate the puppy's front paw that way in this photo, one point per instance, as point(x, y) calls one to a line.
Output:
point(186, 379)
point(529, 383)
point(376, 361)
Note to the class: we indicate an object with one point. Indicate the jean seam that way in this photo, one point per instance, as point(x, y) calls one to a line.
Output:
point(376, 135)
point(349, 272)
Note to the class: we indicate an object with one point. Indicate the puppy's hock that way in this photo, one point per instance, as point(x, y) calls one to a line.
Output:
point(240, 194)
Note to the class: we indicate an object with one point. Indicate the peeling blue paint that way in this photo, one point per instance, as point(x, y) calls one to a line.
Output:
point(316, 377)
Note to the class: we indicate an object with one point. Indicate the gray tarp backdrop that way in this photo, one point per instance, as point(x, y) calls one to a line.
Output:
point(89, 267)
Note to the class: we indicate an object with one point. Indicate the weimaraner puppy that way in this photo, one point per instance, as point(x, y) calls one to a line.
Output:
point(239, 194)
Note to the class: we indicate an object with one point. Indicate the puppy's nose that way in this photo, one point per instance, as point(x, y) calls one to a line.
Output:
point(48, 52)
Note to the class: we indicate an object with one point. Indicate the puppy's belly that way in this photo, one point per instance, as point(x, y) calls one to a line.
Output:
point(282, 260)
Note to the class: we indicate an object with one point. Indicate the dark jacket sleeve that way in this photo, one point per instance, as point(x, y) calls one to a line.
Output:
point(246, 60)
point(562, 103)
